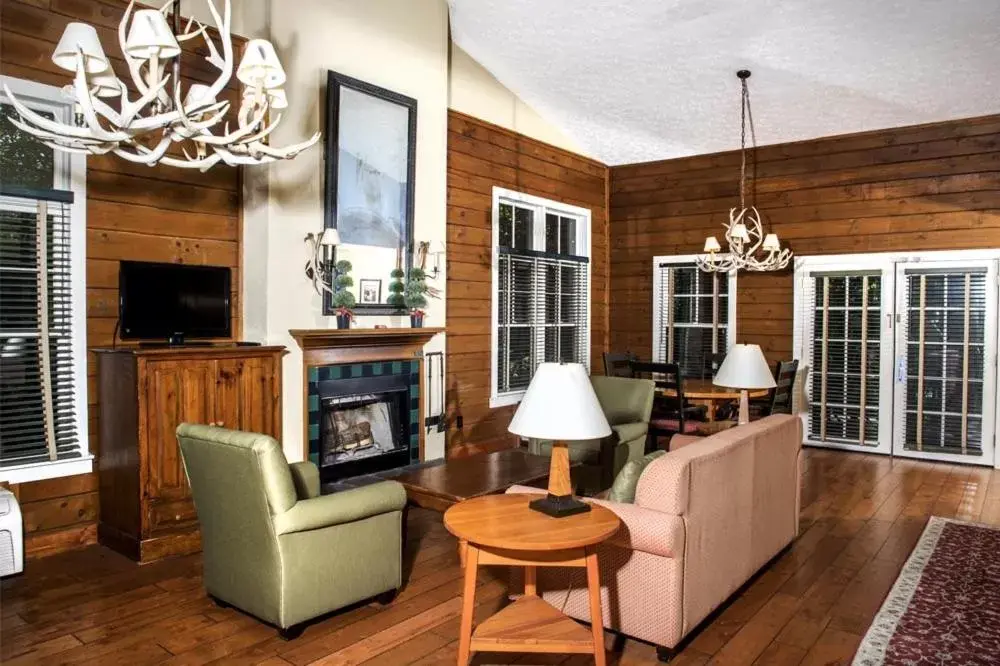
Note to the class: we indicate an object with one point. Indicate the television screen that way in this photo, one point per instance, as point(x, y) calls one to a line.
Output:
point(159, 301)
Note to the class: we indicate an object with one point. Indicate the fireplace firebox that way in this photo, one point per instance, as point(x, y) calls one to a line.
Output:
point(363, 417)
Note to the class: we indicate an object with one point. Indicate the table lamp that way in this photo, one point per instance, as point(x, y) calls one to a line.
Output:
point(744, 368)
point(560, 405)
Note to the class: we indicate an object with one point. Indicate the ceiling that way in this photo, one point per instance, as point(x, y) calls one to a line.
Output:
point(654, 79)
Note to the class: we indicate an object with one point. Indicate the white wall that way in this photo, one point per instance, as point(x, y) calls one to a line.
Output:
point(401, 45)
point(476, 92)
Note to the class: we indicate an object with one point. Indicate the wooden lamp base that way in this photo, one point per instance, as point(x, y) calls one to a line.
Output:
point(560, 501)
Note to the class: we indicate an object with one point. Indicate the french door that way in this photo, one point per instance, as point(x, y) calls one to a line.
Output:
point(900, 353)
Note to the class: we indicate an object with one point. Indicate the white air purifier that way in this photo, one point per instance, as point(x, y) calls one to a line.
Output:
point(11, 535)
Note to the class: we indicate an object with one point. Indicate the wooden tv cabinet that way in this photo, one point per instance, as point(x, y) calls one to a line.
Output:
point(146, 508)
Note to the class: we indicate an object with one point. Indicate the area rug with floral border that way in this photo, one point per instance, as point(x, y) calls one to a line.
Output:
point(945, 606)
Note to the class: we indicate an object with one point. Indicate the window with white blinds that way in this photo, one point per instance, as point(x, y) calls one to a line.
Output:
point(945, 331)
point(43, 401)
point(844, 315)
point(693, 314)
point(541, 289)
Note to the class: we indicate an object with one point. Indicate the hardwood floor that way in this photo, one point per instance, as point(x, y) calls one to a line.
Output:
point(861, 517)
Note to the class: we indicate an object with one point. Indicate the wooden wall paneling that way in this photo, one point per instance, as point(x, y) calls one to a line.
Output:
point(928, 187)
point(133, 213)
point(481, 156)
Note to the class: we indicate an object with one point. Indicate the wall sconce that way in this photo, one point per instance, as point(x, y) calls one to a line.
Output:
point(319, 266)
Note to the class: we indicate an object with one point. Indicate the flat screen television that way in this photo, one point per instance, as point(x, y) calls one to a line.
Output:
point(173, 302)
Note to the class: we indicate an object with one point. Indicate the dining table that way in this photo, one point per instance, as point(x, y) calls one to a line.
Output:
point(704, 392)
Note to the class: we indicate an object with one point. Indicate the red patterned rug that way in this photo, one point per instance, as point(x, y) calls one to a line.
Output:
point(944, 608)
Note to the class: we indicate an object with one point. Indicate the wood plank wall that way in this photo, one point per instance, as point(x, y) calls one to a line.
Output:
point(133, 212)
point(481, 155)
point(927, 187)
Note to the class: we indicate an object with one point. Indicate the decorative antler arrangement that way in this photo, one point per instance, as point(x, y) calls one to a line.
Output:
point(145, 127)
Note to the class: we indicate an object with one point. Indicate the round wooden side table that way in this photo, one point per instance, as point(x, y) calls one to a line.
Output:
point(501, 529)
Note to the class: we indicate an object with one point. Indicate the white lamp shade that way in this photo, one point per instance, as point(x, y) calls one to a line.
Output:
point(771, 243)
point(330, 237)
point(739, 232)
point(277, 99)
point(150, 36)
point(712, 245)
point(84, 37)
point(105, 84)
point(260, 66)
point(560, 404)
point(198, 95)
point(744, 368)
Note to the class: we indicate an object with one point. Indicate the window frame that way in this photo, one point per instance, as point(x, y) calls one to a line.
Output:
point(70, 174)
point(541, 207)
point(656, 300)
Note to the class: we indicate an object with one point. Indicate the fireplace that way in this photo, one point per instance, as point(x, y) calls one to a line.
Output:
point(363, 417)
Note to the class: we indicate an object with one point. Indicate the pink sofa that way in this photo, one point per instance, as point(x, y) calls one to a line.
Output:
point(706, 517)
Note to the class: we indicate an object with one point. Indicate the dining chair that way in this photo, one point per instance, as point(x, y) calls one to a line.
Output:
point(712, 364)
point(619, 364)
point(671, 415)
point(779, 400)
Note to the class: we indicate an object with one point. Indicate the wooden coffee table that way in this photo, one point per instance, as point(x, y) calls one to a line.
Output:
point(441, 484)
point(502, 530)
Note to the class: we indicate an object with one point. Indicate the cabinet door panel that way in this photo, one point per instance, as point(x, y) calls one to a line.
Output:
point(178, 392)
point(248, 395)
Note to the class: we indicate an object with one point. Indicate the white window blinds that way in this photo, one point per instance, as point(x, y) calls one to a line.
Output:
point(844, 347)
point(38, 421)
point(691, 316)
point(541, 289)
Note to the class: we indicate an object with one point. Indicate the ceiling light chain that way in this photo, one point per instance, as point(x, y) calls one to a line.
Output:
point(143, 129)
point(744, 233)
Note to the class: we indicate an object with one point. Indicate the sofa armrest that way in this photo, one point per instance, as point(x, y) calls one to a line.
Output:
point(642, 529)
point(305, 476)
point(344, 507)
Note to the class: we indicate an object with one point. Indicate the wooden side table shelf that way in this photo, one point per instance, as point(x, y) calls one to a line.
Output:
point(501, 529)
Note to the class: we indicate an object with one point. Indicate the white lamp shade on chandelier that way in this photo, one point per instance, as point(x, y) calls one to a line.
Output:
point(747, 246)
point(80, 38)
point(157, 109)
point(560, 404)
point(744, 368)
point(150, 37)
point(260, 66)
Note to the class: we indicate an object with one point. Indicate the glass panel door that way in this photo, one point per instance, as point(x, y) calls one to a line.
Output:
point(945, 375)
point(846, 315)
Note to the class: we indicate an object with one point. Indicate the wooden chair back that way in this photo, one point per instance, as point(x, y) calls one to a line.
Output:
point(667, 376)
point(619, 364)
point(784, 378)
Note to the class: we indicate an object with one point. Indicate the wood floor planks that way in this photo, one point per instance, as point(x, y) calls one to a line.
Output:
point(861, 517)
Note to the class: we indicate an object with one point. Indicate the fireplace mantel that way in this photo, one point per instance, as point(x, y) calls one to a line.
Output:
point(338, 338)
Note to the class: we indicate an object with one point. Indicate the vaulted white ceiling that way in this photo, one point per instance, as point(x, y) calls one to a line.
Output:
point(637, 80)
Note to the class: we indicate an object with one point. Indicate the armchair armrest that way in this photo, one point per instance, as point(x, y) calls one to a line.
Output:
point(642, 529)
point(344, 507)
point(305, 476)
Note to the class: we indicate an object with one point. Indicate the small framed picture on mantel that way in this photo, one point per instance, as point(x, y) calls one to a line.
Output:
point(371, 136)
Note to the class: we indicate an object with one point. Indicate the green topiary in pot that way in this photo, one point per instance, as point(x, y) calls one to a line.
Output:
point(342, 299)
point(396, 288)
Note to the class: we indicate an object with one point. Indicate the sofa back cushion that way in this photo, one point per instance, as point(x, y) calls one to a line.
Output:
point(623, 489)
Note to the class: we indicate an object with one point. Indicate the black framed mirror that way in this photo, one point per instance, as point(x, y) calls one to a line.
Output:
point(370, 169)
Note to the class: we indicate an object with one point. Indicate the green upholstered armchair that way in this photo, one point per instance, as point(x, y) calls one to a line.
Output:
point(272, 546)
point(627, 404)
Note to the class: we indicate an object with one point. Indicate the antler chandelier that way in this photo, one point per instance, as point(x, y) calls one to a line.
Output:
point(749, 247)
point(142, 128)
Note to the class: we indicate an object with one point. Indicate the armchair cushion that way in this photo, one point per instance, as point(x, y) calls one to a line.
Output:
point(343, 507)
point(624, 400)
point(305, 476)
point(623, 489)
point(628, 431)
